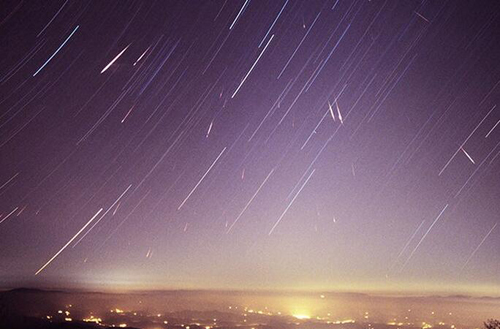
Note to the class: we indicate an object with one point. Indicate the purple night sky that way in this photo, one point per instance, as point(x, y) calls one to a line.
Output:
point(250, 144)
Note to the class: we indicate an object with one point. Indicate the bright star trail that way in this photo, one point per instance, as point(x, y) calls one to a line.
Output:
point(322, 145)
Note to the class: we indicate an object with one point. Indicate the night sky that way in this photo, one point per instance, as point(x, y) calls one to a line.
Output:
point(250, 144)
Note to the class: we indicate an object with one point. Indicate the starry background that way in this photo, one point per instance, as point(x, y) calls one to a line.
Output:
point(348, 145)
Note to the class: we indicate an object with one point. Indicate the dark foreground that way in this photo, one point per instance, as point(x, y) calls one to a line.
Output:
point(32, 308)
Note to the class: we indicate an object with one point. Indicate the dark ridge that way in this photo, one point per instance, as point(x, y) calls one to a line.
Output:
point(24, 290)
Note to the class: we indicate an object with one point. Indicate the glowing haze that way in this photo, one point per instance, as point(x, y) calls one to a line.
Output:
point(277, 145)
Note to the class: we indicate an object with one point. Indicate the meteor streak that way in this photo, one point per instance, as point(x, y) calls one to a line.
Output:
point(114, 60)
point(331, 111)
point(468, 156)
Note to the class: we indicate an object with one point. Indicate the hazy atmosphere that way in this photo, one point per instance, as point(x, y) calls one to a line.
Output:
point(284, 146)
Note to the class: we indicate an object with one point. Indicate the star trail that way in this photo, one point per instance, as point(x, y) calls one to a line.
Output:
point(247, 144)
